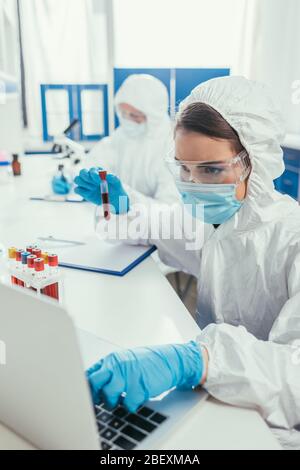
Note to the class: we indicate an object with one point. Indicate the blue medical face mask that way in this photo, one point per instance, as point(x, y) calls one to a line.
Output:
point(212, 203)
point(133, 129)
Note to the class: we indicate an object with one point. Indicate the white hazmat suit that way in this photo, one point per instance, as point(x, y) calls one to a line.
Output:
point(248, 271)
point(139, 161)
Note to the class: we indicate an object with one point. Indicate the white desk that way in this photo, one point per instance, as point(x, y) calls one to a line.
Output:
point(140, 308)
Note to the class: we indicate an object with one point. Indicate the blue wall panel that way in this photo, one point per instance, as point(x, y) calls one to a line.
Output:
point(72, 113)
point(103, 88)
point(75, 111)
point(187, 79)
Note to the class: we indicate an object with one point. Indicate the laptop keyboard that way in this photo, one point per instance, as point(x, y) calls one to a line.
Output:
point(119, 429)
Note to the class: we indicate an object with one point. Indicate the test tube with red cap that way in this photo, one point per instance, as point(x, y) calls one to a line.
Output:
point(39, 270)
point(104, 194)
point(29, 248)
point(30, 262)
point(37, 252)
point(53, 270)
point(30, 268)
point(19, 266)
point(39, 267)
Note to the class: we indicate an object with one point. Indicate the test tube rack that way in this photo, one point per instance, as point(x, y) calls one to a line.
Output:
point(37, 284)
point(43, 281)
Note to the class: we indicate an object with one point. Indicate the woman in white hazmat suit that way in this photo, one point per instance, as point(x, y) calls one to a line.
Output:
point(136, 149)
point(248, 269)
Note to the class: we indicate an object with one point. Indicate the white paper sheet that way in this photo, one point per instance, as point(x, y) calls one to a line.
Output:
point(97, 255)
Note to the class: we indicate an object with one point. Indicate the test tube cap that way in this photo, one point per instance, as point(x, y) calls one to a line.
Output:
point(45, 257)
point(52, 259)
point(37, 252)
point(102, 174)
point(30, 248)
point(19, 254)
point(30, 261)
point(24, 257)
point(39, 264)
point(12, 252)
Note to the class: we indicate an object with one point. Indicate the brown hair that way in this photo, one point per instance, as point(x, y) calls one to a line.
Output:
point(202, 118)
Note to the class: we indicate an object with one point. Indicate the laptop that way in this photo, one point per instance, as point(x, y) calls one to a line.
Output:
point(44, 394)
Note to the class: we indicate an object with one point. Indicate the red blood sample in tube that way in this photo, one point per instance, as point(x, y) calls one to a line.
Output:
point(53, 260)
point(39, 267)
point(53, 268)
point(30, 266)
point(104, 194)
point(37, 252)
point(30, 261)
point(39, 264)
point(18, 261)
point(19, 255)
point(12, 262)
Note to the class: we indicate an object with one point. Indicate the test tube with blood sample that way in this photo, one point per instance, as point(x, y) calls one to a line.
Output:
point(47, 289)
point(39, 270)
point(30, 269)
point(12, 262)
point(37, 252)
point(104, 194)
point(45, 257)
point(24, 257)
point(53, 270)
point(19, 266)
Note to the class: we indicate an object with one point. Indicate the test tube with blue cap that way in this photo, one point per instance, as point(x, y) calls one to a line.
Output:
point(24, 257)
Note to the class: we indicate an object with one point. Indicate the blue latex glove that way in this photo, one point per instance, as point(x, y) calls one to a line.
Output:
point(60, 185)
point(143, 373)
point(88, 186)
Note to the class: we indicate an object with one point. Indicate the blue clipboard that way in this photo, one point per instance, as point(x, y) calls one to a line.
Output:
point(69, 200)
point(111, 272)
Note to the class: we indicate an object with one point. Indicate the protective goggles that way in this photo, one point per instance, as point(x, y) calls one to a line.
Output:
point(137, 117)
point(234, 170)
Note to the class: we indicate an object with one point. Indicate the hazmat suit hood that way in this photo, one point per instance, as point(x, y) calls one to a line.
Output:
point(149, 95)
point(249, 108)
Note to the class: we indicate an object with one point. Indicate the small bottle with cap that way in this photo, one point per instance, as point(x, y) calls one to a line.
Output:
point(16, 165)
